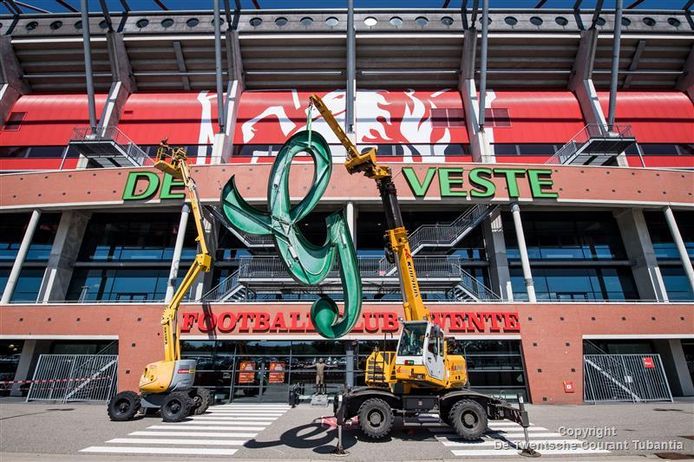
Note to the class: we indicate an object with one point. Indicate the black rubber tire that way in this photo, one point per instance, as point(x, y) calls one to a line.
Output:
point(176, 406)
point(469, 419)
point(202, 399)
point(376, 418)
point(443, 415)
point(123, 406)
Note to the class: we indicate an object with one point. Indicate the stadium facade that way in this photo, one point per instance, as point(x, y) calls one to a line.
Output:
point(556, 222)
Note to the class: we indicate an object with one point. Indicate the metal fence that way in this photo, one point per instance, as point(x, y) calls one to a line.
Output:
point(74, 378)
point(628, 377)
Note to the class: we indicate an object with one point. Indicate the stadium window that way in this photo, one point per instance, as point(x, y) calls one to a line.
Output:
point(686, 149)
point(447, 117)
point(505, 149)
point(13, 152)
point(536, 149)
point(659, 149)
point(497, 117)
point(14, 121)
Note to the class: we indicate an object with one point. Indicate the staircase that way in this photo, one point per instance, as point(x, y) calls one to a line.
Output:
point(268, 273)
point(595, 144)
point(228, 290)
point(249, 240)
point(470, 289)
point(444, 235)
point(108, 147)
point(447, 235)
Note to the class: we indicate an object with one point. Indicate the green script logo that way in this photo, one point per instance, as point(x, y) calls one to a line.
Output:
point(150, 182)
point(307, 263)
point(482, 180)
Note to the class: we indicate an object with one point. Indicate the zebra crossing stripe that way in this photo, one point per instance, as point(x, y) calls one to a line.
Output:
point(514, 452)
point(196, 428)
point(173, 441)
point(518, 443)
point(189, 433)
point(221, 423)
point(231, 420)
point(170, 451)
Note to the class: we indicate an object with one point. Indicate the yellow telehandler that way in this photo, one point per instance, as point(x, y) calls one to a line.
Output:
point(420, 376)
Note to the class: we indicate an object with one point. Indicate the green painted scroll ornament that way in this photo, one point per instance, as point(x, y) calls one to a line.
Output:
point(307, 263)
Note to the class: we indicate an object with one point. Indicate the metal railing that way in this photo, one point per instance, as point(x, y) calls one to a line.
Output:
point(626, 377)
point(253, 269)
point(126, 146)
point(449, 234)
point(590, 132)
point(74, 378)
point(249, 240)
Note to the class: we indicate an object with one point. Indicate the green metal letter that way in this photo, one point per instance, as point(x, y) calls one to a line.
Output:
point(307, 263)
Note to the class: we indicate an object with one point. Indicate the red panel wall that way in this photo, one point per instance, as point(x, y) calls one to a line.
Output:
point(183, 118)
point(49, 119)
point(655, 117)
point(382, 117)
point(538, 117)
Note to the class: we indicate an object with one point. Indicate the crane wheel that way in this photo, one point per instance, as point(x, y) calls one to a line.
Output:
point(469, 419)
point(176, 406)
point(376, 418)
point(123, 406)
point(202, 398)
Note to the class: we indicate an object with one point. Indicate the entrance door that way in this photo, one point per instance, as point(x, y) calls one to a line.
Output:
point(433, 356)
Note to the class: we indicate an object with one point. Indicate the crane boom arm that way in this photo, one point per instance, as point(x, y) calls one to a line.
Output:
point(397, 244)
point(177, 167)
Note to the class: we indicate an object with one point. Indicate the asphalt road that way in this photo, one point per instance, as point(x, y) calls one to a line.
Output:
point(30, 432)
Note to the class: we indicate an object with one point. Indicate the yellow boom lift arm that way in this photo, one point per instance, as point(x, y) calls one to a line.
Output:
point(384, 368)
point(172, 160)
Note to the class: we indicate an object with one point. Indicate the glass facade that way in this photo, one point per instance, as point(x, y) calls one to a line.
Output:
point(12, 229)
point(127, 257)
point(10, 353)
point(573, 257)
point(669, 262)
point(263, 370)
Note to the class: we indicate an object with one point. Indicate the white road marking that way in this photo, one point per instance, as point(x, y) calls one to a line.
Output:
point(172, 451)
point(515, 442)
point(189, 433)
point(514, 452)
point(177, 441)
point(211, 426)
point(227, 425)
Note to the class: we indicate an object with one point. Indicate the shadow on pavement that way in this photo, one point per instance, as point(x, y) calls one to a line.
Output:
point(310, 436)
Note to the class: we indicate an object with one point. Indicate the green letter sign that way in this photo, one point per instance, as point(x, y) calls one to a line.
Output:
point(307, 263)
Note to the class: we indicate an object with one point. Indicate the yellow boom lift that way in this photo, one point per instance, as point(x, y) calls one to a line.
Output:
point(167, 385)
point(420, 376)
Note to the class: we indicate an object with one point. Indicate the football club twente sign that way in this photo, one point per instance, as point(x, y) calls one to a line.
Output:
point(307, 263)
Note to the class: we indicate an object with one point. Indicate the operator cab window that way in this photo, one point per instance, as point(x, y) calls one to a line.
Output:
point(412, 339)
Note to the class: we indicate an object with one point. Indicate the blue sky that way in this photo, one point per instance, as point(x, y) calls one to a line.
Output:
point(149, 5)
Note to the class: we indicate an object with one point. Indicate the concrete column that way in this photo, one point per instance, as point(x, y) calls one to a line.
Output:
point(525, 261)
point(685, 82)
point(675, 365)
point(21, 256)
point(12, 83)
point(495, 244)
point(480, 140)
point(639, 248)
point(679, 242)
point(351, 213)
point(123, 81)
point(66, 247)
point(581, 83)
point(27, 362)
point(178, 248)
point(224, 142)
